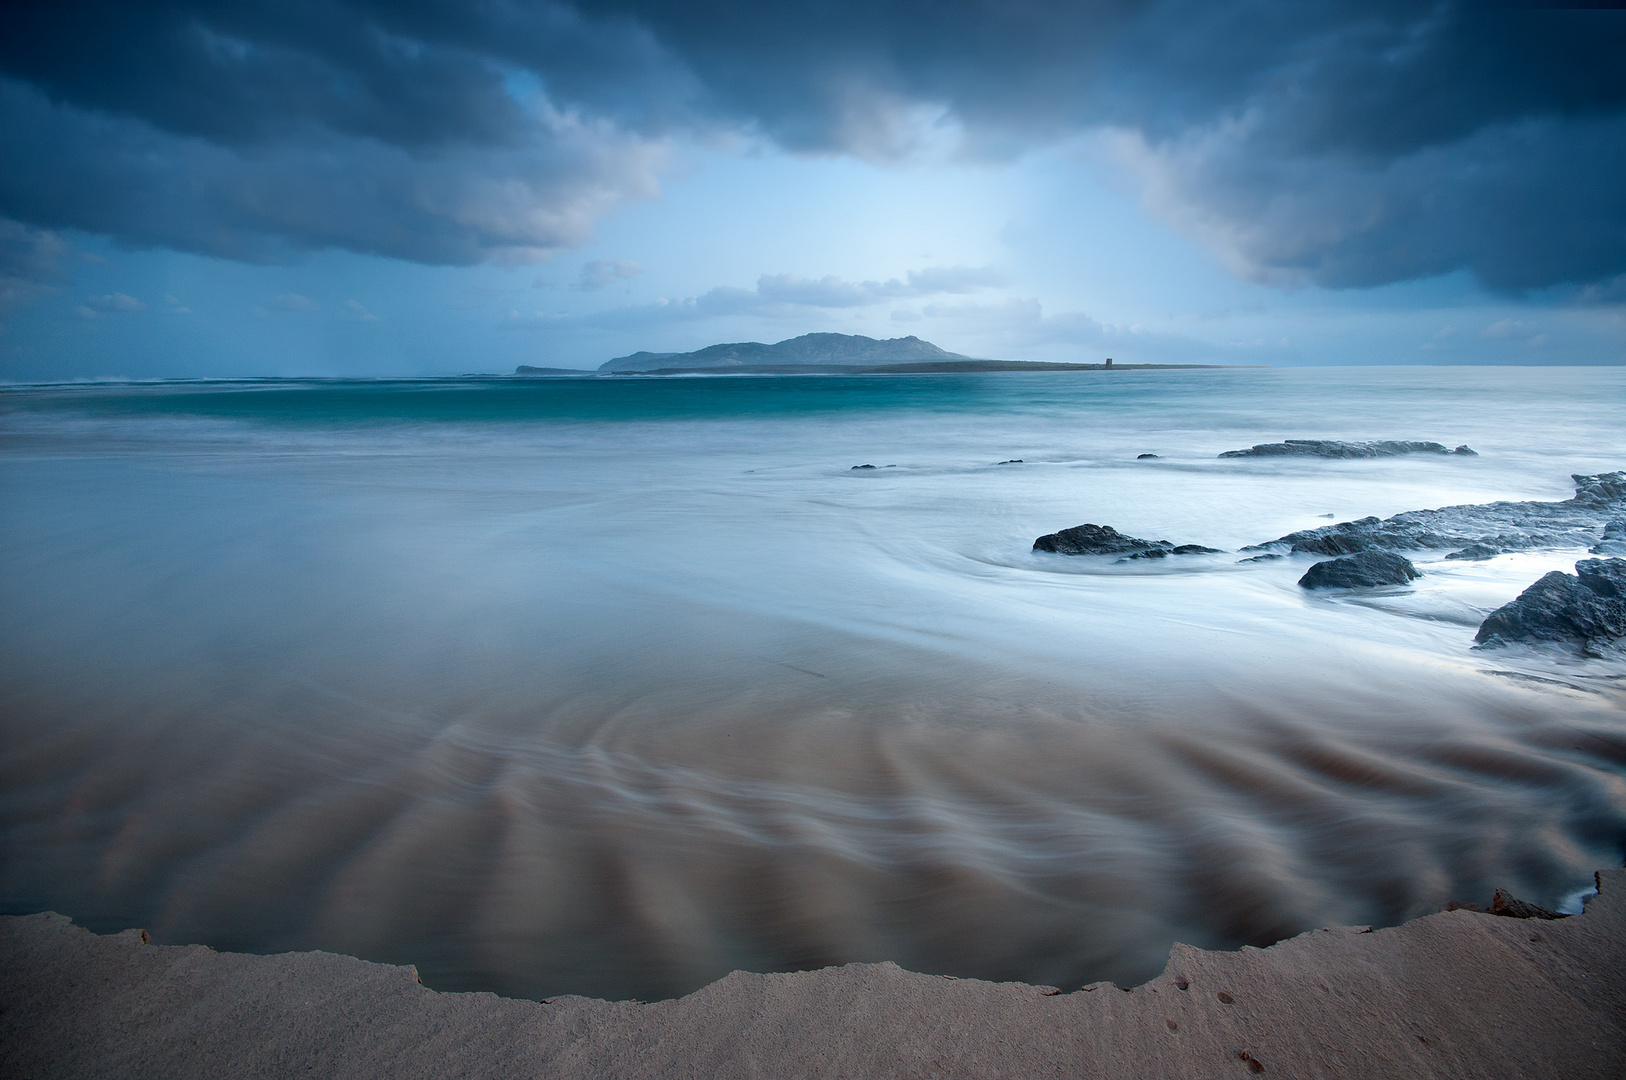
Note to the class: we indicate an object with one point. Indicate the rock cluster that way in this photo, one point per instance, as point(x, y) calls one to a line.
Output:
point(1586, 609)
point(1494, 527)
point(1367, 569)
point(1333, 448)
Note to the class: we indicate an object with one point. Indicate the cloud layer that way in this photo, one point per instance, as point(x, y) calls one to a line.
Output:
point(1330, 141)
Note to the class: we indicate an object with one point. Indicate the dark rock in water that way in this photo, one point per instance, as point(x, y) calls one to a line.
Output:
point(1360, 571)
point(1614, 540)
point(1505, 526)
point(1332, 448)
point(1095, 540)
point(863, 466)
point(1508, 906)
point(1465, 451)
point(1143, 457)
point(1013, 461)
point(1105, 540)
point(1266, 557)
point(1475, 552)
point(1586, 609)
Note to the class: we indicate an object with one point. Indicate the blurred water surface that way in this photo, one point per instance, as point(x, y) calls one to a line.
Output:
point(612, 686)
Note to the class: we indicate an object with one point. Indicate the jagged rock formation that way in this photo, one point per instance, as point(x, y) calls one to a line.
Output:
point(1365, 570)
point(826, 349)
point(1332, 448)
point(1105, 540)
point(1499, 526)
point(1586, 609)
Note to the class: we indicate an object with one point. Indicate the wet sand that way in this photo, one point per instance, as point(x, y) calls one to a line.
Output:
point(1457, 994)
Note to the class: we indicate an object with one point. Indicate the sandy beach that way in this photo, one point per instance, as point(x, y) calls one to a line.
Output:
point(1456, 994)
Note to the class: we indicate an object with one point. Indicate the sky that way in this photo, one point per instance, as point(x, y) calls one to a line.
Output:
point(433, 187)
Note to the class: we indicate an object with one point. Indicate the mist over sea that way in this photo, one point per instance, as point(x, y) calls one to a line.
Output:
point(612, 686)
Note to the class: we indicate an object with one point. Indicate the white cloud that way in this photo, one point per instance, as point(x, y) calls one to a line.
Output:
point(602, 272)
point(786, 295)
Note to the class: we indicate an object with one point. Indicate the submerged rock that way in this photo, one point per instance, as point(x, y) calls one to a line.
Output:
point(863, 466)
point(1505, 526)
point(1586, 609)
point(1364, 570)
point(1266, 557)
point(1475, 552)
point(1143, 457)
point(1178, 549)
point(1333, 448)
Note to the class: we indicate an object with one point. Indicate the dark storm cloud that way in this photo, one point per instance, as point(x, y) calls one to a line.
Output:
point(251, 130)
point(1342, 143)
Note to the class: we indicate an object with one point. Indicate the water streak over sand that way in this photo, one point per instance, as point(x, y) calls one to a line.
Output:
point(551, 692)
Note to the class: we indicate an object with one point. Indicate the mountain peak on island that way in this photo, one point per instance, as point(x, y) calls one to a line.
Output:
point(823, 349)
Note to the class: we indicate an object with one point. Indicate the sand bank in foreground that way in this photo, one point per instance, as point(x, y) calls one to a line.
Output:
point(1458, 994)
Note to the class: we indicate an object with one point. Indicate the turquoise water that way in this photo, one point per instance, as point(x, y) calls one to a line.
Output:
point(611, 686)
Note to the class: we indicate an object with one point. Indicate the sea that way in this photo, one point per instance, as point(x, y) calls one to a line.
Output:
point(611, 686)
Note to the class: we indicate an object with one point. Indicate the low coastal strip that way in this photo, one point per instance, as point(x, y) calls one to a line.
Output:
point(1462, 993)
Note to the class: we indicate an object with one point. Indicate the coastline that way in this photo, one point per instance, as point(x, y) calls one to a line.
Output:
point(1455, 994)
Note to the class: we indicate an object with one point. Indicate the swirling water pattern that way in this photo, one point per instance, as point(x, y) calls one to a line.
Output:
point(614, 686)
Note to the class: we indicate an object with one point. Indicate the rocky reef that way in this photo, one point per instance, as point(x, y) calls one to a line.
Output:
point(1586, 609)
point(1333, 448)
point(1484, 528)
point(1368, 569)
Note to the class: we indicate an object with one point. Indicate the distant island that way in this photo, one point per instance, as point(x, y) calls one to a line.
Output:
point(822, 354)
point(822, 350)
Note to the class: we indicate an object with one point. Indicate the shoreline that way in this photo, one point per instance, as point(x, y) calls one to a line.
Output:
point(1455, 994)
